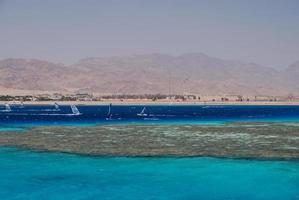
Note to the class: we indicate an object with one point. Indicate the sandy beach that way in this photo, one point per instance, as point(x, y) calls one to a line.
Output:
point(150, 102)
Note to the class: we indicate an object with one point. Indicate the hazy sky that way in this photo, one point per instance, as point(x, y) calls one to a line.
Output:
point(261, 31)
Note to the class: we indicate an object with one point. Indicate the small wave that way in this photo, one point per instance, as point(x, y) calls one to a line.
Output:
point(43, 110)
point(113, 119)
point(152, 119)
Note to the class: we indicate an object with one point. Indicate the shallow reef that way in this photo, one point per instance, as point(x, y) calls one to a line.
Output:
point(234, 140)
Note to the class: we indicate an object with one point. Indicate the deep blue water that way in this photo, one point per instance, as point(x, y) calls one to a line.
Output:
point(92, 115)
point(36, 176)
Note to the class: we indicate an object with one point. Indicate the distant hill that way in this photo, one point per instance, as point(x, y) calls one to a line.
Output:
point(291, 77)
point(194, 73)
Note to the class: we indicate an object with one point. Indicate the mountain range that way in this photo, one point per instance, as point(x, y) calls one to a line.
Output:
point(193, 73)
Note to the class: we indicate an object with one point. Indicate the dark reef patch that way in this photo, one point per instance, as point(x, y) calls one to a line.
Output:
point(235, 140)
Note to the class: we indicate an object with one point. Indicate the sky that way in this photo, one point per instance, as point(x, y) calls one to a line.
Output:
point(63, 31)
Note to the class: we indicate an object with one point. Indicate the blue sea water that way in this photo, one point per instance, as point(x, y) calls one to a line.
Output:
point(33, 115)
point(35, 176)
point(39, 175)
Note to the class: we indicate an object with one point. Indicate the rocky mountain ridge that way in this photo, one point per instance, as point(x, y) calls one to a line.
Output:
point(193, 73)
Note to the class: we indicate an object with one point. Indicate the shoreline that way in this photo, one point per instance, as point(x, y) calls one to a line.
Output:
point(148, 102)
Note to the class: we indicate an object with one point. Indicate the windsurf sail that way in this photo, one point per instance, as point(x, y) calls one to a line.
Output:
point(109, 114)
point(142, 113)
point(75, 110)
point(56, 106)
point(7, 108)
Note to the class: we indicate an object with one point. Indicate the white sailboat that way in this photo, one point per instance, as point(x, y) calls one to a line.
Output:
point(7, 108)
point(109, 114)
point(56, 106)
point(75, 110)
point(142, 113)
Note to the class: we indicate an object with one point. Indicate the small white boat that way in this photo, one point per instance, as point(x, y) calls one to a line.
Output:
point(142, 113)
point(109, 115)
point(56, 106)
point(75, 110)
point(7, 108)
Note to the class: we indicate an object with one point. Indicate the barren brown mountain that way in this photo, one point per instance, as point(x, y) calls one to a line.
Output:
point(149, 74)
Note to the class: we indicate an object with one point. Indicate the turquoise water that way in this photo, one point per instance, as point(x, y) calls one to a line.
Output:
point(7, 129)
point(32, 175)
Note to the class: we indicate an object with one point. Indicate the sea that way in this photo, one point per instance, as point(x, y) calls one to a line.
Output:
point(27, 174)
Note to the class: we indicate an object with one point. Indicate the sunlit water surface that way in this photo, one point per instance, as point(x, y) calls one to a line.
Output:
point(33, 115)
point(32, 175)
point(35, 175)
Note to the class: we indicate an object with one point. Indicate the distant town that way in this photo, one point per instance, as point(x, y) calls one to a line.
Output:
point(84, 97)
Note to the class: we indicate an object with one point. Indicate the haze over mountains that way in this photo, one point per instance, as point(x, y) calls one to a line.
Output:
point(193, 73)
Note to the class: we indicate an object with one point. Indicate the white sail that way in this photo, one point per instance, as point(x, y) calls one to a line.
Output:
point(143, 110)
point(109, 115)
point(109, 110)
point(142, 113)
point(7, 107)
point(75, 110)
point(56, 106)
